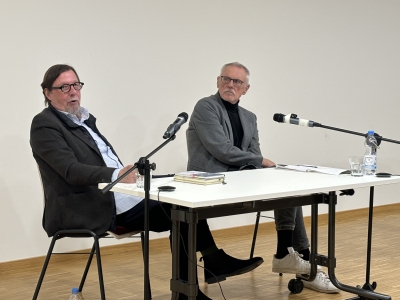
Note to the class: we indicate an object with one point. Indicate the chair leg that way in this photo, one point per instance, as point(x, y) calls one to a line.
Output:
point(253, 244)
point(87, 268)
point(148, 276)
point(99, 268)
point(95, 249)
point(46, 263)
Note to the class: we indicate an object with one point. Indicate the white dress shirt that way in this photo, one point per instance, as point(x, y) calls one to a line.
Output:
point(123, 202)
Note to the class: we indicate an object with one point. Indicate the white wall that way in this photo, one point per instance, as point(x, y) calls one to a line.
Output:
point(144, 62)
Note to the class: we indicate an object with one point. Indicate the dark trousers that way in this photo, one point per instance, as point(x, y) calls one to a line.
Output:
point(159, 221)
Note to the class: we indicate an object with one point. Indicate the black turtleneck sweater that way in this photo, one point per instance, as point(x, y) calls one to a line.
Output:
point(237, 129)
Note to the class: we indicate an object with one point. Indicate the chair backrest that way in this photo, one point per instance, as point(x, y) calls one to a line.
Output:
point(118, 233)
point(41, 182)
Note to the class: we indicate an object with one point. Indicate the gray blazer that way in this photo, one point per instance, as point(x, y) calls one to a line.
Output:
point(210, 140)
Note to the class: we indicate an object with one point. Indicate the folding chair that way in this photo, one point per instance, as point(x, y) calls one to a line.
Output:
point(118, 233)
point(253, 243)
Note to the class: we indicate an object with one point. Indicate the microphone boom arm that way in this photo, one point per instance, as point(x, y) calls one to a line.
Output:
point(294, 120)
point(378, 137)
point(138, 164)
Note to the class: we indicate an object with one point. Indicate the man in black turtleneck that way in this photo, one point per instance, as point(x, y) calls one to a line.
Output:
point(237, 129)
point(223, 136)
point(216, 138)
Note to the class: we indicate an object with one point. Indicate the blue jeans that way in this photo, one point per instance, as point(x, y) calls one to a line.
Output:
point(292, 219)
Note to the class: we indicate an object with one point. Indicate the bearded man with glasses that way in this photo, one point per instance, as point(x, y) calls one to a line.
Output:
point(223, 136)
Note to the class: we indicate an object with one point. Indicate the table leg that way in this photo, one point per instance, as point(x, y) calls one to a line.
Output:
point(363, 294)
point(177, 285)
point(314, 242)
point(192, 259)
point(175, 254)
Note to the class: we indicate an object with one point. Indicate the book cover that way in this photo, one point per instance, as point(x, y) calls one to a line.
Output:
point(200, 177)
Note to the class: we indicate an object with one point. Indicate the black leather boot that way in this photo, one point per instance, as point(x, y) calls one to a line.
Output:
point(219, 265)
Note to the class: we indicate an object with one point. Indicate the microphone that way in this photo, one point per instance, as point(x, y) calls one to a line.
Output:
point(292, 119)
point(174, 127)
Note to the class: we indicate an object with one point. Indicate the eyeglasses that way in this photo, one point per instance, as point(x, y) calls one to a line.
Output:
point(226, 80)
point(67, 87)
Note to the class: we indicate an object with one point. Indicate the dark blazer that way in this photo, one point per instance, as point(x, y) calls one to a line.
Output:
point(71, 167)
point(210, 139)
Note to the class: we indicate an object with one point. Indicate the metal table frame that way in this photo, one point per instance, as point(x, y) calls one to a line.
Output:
point(192, 215)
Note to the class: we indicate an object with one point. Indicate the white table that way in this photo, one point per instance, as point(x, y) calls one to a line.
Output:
point(253, 191)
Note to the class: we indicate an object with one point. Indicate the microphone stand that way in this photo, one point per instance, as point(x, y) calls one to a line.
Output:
point(144, 168)
point(377, 136)
point(367, 286)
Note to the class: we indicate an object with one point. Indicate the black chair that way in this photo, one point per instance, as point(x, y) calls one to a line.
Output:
point(253, 243)
point(118, 233)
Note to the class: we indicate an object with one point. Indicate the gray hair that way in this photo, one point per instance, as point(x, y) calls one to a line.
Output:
point(239, 65)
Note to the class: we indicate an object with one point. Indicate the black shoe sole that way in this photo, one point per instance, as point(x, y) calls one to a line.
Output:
point(219, 278)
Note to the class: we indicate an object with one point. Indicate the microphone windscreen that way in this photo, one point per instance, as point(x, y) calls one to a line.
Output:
point(184, 116)
point(279, 118)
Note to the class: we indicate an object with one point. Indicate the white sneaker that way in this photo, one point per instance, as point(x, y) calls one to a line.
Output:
point(321, 283)
point(291, 263)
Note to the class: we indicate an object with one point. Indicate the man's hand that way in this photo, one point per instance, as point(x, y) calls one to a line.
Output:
point(266, 163)
point(130, 178)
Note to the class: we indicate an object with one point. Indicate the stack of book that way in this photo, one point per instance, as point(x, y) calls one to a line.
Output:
point(200, 177)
